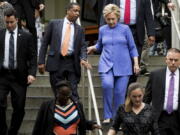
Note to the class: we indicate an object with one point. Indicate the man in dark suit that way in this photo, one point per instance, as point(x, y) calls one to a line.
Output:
point(26, 10)
point(141, 20)
point(164, 23)
point(163, 89)
point(64, 66)
point(18, 63)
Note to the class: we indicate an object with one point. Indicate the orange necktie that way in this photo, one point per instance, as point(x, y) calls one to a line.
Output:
point(65, 43)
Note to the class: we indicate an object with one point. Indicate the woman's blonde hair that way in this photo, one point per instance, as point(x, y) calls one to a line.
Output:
point(132, 87)
point(111, 8)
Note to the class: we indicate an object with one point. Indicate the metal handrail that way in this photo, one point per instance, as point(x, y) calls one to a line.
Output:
point(175, 23)
point(178, 3)
point(94, 99)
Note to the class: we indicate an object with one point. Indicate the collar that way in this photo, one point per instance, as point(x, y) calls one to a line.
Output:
point(169, 72)
point(67, 21)
point(15, 30)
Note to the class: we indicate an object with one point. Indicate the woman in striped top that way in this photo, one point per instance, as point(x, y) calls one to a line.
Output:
point(62, 116)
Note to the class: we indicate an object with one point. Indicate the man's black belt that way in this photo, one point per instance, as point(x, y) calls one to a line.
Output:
point(67, 57)
point(5, 70)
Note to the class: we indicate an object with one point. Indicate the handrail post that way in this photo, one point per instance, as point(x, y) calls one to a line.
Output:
point(175, 24)
point(89, 107)
point(83, 85)
point(94, 99)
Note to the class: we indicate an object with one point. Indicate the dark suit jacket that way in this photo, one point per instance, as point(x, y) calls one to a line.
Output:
point(143, 18)
point(45, 120)
point(26, 55)
point(155, 91)
point(157, 4)
point(34, 3)
point(52, 37)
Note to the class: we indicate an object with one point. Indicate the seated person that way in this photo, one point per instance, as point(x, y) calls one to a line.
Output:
point(135, 117)
point(62, 116)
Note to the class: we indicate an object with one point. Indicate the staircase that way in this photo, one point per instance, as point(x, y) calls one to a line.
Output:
point(40, 91)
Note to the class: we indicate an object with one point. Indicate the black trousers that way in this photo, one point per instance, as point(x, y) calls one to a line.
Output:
point(167, 36)
point(133, 78)
point(169, 124)
point(25, 11)
point(10, 84)
point(66, 71)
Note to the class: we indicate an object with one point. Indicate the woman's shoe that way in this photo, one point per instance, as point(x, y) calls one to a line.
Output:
point(106, 121)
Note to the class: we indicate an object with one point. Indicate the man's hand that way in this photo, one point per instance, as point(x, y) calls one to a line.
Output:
point(86, 64)
point(171, 5)
point(41, 7)
point(151, 40)
point(41, 68)
point(30, 79)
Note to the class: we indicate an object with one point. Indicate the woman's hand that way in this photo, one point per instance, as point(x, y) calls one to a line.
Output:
point(96, 126)
point(136, 69)
point(91, 49)
point(136, 65)
point(111, 132)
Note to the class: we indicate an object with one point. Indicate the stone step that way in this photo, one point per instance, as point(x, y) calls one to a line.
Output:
point(143, 79)
point(154, 67)
point(153, 60)
point(36, 101)
point(31, 112)
point(156, 60)
point(94, 70)
point(41, 80)
point(43, 90)
point(40, 90)
point(44, 79)
point(26, 127)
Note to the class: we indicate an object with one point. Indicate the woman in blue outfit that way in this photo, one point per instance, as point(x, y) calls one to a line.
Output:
point(118, 49)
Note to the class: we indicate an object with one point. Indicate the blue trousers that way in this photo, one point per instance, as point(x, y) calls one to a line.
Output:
point(114, 91)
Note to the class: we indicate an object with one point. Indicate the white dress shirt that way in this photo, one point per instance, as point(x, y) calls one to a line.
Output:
point(132, 11)
point(6, 50)
point(71, 43)
point(176, 88)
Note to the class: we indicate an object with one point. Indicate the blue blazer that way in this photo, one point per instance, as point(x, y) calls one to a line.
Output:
point(117, 47)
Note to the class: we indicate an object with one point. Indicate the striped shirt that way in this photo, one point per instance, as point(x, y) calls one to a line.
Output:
point(66, 120)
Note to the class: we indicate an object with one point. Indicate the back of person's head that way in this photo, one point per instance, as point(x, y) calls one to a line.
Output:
point(10, 12)
point(64, 83)
point(131, 88)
